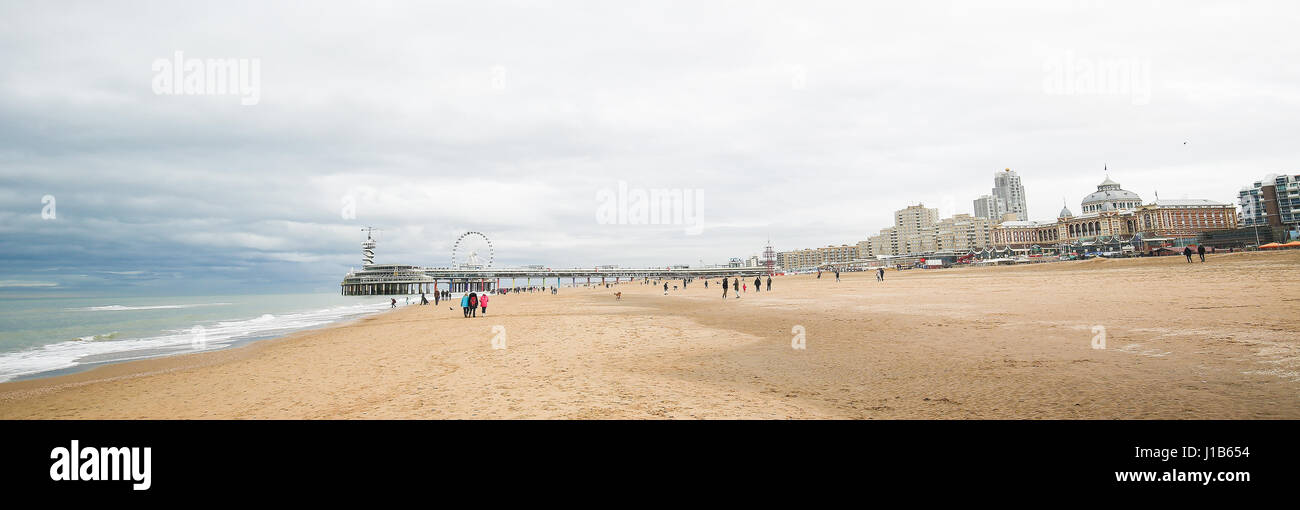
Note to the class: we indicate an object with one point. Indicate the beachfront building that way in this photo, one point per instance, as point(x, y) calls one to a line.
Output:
point(892, 241)
point(918, 230)
point(1010, 194)
point(865, 250)
point(913, 231)
point(1025, 238)
point(885, 243)
point(812, 258)
point(838, 255)
point(963, 233)
point(990, 207)
point(1110, 197)
point(1115, 220)
point(795, 260)
point(915, 219)
point(1184, 219)
point(1273, 201)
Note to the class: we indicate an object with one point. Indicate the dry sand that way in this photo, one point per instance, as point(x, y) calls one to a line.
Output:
point(1215, 340)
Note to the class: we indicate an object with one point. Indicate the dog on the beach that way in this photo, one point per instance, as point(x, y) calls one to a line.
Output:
point(618, 296)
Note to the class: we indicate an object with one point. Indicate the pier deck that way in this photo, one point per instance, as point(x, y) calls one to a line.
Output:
point(382, 280)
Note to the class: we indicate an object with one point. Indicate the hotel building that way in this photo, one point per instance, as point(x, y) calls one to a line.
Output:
point(1116, 220)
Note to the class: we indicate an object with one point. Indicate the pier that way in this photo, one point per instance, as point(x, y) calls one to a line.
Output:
point(473, 276)
point(383, 280)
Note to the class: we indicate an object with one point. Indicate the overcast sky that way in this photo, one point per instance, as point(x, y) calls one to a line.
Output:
point(805, 122)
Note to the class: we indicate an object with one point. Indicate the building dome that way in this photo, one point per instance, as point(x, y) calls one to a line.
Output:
point(1065, 213)
point(1110, 197)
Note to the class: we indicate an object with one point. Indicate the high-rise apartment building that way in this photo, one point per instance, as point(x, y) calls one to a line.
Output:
point(1271, 201)
point(1011, 193)
point(918, 230)
point(989, 206)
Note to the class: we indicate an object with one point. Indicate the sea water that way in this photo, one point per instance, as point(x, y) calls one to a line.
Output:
point(50, 336)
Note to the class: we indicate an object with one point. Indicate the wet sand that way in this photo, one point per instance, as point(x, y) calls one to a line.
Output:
point(1189, 341)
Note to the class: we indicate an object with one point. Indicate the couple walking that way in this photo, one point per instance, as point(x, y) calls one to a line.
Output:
point(735, 286)
point(725, 287)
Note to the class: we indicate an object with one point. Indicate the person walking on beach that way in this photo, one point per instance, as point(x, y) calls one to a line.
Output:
point(423, 300)
point(880, 273)
point(837, 275)
point(758, 284)
point(746, 287)
point(735, 287)
point(473, 304)
point(464, 305)
point(482, 303)
point(1200, 250)
point(706, 284)
point(1187, 252)
point(1189, 259)
point(724, 287)
point(665, 288)
point(435, 297)
point(769, 283)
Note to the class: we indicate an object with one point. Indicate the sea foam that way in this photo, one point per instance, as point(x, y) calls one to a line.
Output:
point(107, 348)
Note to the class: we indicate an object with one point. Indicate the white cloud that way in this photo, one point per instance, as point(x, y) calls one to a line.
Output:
point(23, 284)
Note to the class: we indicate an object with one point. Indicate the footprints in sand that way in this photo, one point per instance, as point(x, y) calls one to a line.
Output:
point(1282, 359)
point(1275, 350)
point(1138, 350)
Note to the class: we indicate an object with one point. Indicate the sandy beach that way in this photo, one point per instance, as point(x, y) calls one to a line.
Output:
point(1219, 340)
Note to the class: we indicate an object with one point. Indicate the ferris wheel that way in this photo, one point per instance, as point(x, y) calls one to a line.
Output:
point(473, 250)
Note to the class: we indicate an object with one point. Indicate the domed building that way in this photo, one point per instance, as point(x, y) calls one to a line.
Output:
point(1110, 197)
point(1115, 220)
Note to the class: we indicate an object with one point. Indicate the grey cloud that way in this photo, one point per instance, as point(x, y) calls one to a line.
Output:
point(394, 105)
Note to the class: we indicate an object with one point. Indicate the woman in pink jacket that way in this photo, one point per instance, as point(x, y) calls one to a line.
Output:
point(482, 302)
